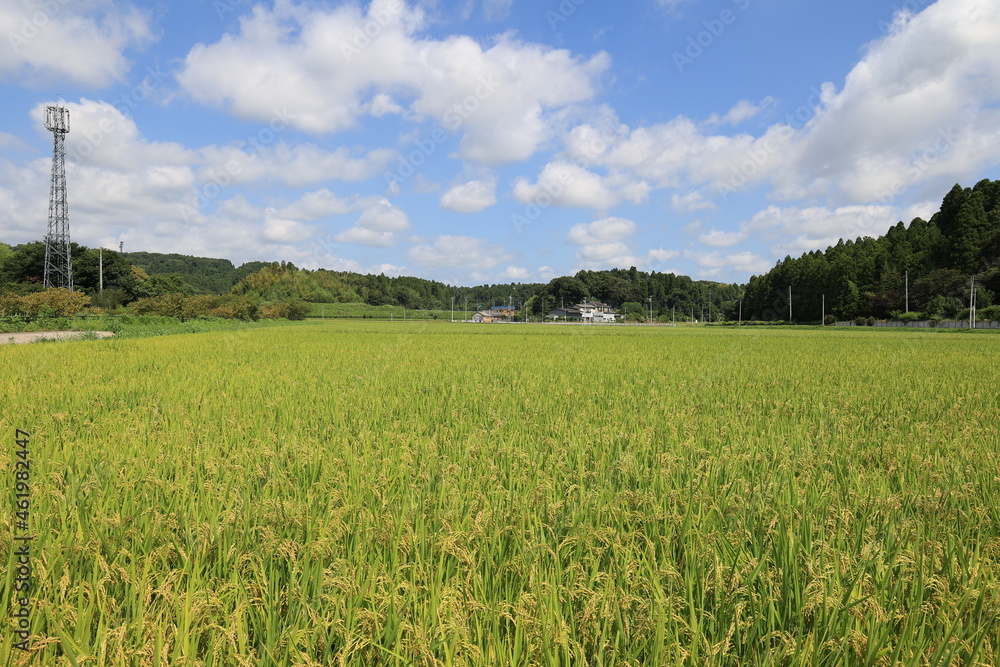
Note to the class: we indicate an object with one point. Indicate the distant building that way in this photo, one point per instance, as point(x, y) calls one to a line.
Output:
point(486, 316)
point(585, 312)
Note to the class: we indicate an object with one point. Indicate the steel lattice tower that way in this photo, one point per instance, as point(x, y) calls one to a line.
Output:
point(58, 262)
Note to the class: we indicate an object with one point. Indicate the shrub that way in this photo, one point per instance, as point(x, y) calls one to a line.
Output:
point(55, 302)
point(829, 320)
point(991, 313)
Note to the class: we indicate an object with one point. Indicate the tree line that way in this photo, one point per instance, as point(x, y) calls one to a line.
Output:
point(923, 270)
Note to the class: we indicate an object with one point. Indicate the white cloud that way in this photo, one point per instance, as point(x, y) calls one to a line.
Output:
point(715, 237)
point(321, 63)
point(516, 274)
point(377, 224)
point(919, 111)
point(607, 230)
point(366, 237)
point(383, 216)
point(565, 184)
point(921, 106)
point(743, 110)
point(316, 206)
point(461, 252)
point(79, 42)
point(383, 105)
point(471, 197)
point(280, 230)
point(603, 245)
point(693, 201)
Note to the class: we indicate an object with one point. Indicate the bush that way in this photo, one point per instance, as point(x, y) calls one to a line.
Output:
point(829, 320)
point(293, 309)
point(991, 313)
point(860, 322)
point(910, 317)
point(871, 321)
point(55, 302)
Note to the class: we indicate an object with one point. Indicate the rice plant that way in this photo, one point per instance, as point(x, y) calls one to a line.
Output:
point(368, 493)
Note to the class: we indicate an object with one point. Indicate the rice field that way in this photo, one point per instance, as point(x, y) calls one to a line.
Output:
point(446, 494)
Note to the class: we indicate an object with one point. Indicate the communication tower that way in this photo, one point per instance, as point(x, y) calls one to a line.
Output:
point(58, 262)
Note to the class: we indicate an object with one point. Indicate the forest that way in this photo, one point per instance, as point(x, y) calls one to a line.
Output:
point(923, 270)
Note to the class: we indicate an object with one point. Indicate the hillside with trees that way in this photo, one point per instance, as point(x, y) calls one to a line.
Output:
point(160, 283)
point(204, 275)
point(867, 277)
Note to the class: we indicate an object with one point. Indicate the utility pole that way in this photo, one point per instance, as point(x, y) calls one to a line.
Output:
point(972, 303)
point(100, 262)
point(452, 309)
point(709, 304)
point(907, 291)
point(650, 309)
point(741, 314)
point(789, 303)
point(822, 322)
point(465, 313)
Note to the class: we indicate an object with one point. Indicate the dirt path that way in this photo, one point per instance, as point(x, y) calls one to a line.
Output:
point(33, 336)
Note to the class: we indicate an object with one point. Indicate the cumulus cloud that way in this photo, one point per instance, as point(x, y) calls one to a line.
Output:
point(471, 197)
point(567, 184)
point(334, 65)
point(316, 206)
point(377, 224)
point(693, 201)
point(608, 230)
point(715, 237)
point(920, 106)
point(83, 43)
point(459, 252)
point(366, 237)
point(918, 112)
point(516, 274)
point(604, 245)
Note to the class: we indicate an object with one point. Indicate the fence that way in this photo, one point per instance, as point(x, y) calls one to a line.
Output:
point(929, 324)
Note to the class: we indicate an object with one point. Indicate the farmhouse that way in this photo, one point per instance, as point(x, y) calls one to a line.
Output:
point(584, 312)
point(486, 316)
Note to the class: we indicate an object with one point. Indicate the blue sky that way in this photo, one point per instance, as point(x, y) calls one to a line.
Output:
point(486, 141)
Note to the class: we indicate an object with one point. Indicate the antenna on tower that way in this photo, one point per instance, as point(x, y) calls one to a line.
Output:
point(58, 261)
